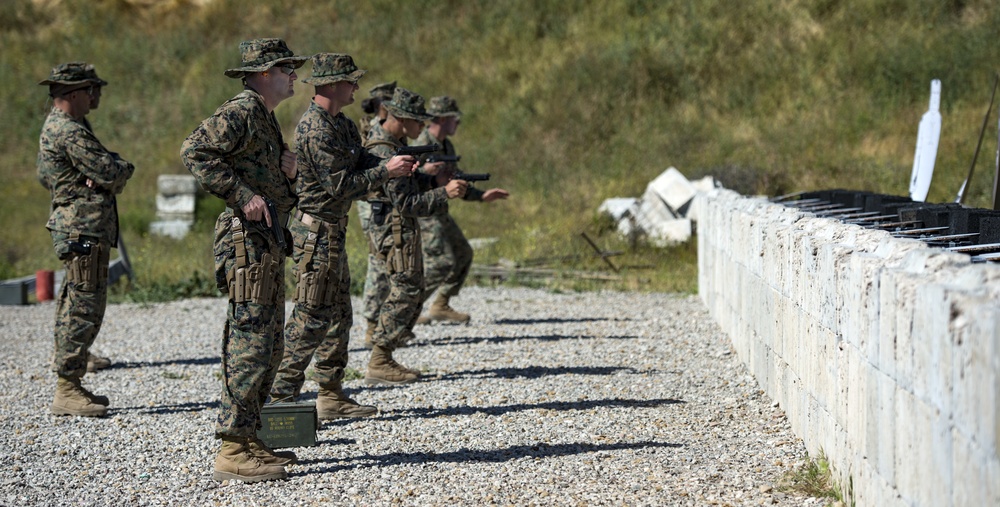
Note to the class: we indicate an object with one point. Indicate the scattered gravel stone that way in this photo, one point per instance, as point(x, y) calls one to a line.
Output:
point(543, 399)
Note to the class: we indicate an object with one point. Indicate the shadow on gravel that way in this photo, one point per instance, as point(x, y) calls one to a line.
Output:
point(465, 410)
point(538, 372)
point(168, 409)
point(469, 340)
point(145, 364)
point(337, 441)
point(522, 322)
point(509, 373)
point(540, 450)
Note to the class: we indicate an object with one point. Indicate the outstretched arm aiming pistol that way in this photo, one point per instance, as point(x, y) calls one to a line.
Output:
point(455, 173)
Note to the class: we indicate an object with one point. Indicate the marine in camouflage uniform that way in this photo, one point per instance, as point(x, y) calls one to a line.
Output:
point(447, 254)
point(376, 282)
point(83, 178)
point(394, 236)
point(372, 106)
point(238, 155)
point(333, 171)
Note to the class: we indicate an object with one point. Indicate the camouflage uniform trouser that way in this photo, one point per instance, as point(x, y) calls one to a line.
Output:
point(377, 277)
point(252, 343)
point(399, 310)
point(447, 255)
point(81, 305)
point(319, 328)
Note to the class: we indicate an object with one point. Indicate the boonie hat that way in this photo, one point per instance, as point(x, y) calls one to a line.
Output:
point(406, 104)
point(71, 76)
point(259, 55)
point(383, 91)
point(330, 68)
point(443, 106)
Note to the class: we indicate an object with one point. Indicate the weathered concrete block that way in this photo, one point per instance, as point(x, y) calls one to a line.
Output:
point(672, 187)
point(176, 184)
point(885, 421)
point(976, 373)
point(906, 459)
point(176, 229)
point(977, 473)
point(181, 204)
point(835, 322)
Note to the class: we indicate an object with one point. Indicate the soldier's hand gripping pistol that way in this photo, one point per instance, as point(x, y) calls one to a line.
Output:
point(277, 229)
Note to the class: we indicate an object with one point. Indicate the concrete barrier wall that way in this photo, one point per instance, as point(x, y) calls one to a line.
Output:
point(884, 353)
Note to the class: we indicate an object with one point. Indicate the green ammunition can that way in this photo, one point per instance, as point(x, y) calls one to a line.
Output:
point(288, 424)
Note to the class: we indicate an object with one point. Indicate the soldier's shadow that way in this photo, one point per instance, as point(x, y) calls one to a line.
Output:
point(168, 409)
point(535, 372)
point(514, 452)
point(498, 410)
point(556, 320)
point(199, 361)
point(472, 340)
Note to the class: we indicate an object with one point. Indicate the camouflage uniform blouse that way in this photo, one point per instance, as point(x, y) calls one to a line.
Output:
point(472, 193)
point(365, 124)
point(334, 169)
point(404, 193)
point(236, 153)
point(68, 155)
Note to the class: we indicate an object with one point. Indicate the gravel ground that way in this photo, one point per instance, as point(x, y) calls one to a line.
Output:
point(544, 399)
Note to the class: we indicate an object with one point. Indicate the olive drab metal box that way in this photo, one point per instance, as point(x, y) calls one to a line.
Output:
point(288, 424)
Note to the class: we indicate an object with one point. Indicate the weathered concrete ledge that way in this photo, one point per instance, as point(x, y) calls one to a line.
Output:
point(884, 353)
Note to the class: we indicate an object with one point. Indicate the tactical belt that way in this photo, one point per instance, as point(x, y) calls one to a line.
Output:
point(282, 216)
point(308, 220)
point(317, 286)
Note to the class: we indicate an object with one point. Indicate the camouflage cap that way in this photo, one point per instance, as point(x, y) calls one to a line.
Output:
point(443, 106)
point(383, 91)
point(330, 68)
point(259, 55)
point(406, 104)
point(73, 73)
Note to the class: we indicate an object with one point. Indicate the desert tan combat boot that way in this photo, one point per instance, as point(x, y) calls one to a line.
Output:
point(441, 311)
point(261, 451)
point(332, 403)
point(369, 333)
point(424, 319)
point(383, 369)
point(95, 362)
point(72, 399)
point(236, 462)
point(95, 398)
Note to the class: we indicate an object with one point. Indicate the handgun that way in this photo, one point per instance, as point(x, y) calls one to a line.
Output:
point(472, 177)
point(276, 228)
point(418, 150)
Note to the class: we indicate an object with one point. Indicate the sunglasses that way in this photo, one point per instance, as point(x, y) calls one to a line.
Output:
point(286, 69)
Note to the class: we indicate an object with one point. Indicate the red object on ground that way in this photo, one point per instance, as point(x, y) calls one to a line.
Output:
point(44, 284)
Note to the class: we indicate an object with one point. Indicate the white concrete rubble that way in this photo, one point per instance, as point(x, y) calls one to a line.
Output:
point(664, 213)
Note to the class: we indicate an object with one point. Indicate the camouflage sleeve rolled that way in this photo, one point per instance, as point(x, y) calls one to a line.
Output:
point(473, 194)
point(411, 202)
point(346, 171)
point(206, 153)
point(104, 168)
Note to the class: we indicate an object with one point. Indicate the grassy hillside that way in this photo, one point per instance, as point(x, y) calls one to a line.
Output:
point(566, 103)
